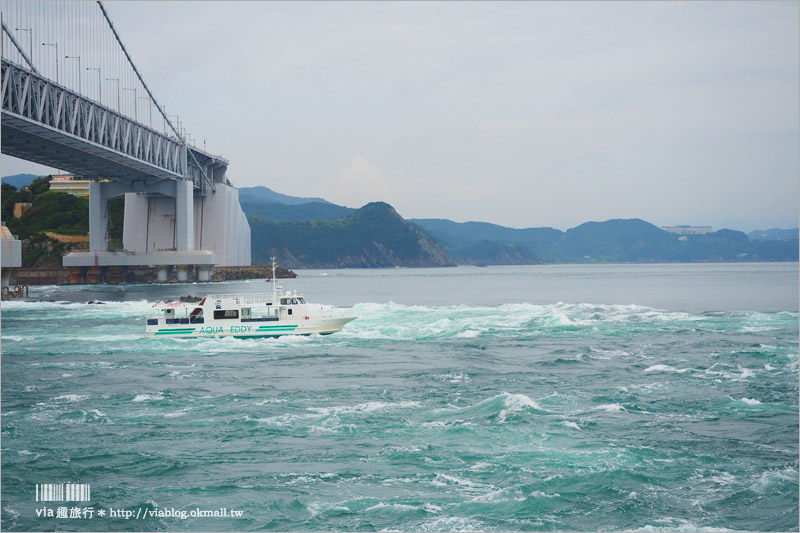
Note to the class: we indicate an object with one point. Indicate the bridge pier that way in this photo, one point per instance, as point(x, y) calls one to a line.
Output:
point(184, 216)
point(164, 273)
point(204, 272)
point(98, 218)
point(182, 272)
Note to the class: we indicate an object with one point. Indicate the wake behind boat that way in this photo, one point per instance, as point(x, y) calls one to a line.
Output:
point(245, 316)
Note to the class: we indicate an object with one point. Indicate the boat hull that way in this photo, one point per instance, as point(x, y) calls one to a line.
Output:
point(251, 330)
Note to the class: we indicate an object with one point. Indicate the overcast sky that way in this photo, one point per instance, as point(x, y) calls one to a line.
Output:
point(523, 114)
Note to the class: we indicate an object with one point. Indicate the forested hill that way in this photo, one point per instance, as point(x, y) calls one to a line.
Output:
point(618, 240)
point(373, 236)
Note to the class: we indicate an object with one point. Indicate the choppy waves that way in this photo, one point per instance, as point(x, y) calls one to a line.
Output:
point(496, 418)
point(400, 322)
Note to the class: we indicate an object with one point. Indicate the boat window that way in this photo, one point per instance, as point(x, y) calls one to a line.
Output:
point(284, 301)
point(290, 311)
point(294, 301)
point(226, 313)
point(301, 300)
point(259, 313)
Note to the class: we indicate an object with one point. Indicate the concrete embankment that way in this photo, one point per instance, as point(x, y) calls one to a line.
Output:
point(62, 276)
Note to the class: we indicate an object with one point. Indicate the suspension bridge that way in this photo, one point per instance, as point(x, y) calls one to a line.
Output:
point(73, 99)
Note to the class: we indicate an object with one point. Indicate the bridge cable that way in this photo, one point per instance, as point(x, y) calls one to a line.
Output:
point(146, 88)
point(19, 48)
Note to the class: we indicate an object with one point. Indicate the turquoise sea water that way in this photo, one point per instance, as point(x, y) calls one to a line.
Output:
point(592, 398)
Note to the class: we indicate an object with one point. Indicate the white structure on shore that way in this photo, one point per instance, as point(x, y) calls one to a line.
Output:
point(688, 230)
point(10, 254)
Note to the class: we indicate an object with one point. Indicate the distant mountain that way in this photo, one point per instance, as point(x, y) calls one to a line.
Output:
point(615, 240)
point(266, 195)
point(458, 234)
point(773, 234)
point(19, 180)
point(373, 236)
point(279, 212)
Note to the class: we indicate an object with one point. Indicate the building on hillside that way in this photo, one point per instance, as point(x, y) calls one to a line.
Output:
point(20, 208)
point(688, 230)
point(70, 183)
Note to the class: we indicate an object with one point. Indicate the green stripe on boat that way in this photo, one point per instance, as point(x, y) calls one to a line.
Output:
point(175, 331)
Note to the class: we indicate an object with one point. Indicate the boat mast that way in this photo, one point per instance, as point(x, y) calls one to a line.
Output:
point(274, 290)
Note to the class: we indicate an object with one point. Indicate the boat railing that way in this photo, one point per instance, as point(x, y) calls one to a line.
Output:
point(244, 298)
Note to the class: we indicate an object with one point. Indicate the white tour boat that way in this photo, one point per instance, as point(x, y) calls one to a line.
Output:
point(245, 316)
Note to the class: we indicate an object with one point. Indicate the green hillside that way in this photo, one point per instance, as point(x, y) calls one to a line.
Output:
point(56, 212)
point(616, 240)
point(373, 236)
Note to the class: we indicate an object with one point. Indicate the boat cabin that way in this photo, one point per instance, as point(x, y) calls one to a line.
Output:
point(224, 307)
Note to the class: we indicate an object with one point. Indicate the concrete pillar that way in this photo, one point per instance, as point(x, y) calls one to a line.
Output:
point(182, 273)
point(184, 216)
point(204, 273)
point(164, 272)
point(98, 218)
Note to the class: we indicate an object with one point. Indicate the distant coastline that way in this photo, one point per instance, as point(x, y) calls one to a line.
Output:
point(315, 233)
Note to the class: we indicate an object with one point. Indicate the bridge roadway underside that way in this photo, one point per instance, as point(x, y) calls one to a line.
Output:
point(45, 145)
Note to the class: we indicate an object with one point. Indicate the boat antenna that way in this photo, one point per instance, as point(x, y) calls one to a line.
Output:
point(274, 292)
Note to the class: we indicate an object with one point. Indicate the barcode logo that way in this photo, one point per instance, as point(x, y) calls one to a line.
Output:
point(63, 492)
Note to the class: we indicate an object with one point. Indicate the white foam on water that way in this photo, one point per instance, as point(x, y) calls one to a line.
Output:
point(540, 494)
point(742, 374)
point(599, 353)
point(393, 506)
point(750, 401)
point(148, 397)
point(770, 477)
point(70, 398)
point(514, 403)
point(179, 412)
point(443, 480)
point(12, 338)
point(366, 407)
point(454, 377)
point(398, 322)
point(271, 401)
point(573, 425)
point(686, 527)
point(448, 523)
point(500, 495)
point(724, 478)
point(611, 408)
point(666, 368)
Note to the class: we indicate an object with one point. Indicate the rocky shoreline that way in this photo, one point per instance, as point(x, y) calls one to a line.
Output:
point(61, 276)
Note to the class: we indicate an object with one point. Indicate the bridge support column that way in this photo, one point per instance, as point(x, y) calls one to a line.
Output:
point(182, 272)
point(184, 216)
point(164, 273)
point(204, 272)
point(98, 218)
